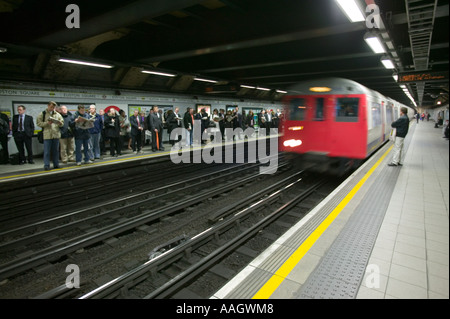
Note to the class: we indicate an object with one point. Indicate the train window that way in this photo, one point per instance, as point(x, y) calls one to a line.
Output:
point(297, 110)
point(347, 109)
point(396, 114)
point(389, 113)
point(376, 114)
point(320, 109)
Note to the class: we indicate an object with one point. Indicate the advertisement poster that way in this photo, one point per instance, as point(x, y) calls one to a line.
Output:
point(207, 108)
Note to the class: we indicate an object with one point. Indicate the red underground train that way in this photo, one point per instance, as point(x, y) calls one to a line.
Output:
point(336, 123)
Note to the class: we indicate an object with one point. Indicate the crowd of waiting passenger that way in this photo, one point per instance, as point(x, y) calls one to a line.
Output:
point(81, 137)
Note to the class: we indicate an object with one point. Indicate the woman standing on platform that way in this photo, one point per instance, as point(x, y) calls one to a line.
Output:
point(112, 131)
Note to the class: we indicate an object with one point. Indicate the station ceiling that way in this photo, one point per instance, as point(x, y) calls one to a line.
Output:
point(259, 43)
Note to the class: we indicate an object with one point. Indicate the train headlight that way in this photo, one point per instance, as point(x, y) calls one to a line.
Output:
point(292, 143)
point(296, 128)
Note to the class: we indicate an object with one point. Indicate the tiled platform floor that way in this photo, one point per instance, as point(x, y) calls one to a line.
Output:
point(412, 248)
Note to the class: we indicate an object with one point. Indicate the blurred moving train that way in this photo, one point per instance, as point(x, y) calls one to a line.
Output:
point(336, 123)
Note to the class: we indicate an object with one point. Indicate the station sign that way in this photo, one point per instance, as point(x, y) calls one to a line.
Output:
point(424, 76)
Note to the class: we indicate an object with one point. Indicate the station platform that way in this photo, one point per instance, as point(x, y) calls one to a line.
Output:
point(382, 234)
point(9, 172)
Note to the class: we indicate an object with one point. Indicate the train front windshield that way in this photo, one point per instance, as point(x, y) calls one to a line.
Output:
point(347, 109)
point(297, 110)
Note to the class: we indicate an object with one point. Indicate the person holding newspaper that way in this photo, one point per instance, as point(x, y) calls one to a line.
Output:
point(80, 124)
point(51, 122)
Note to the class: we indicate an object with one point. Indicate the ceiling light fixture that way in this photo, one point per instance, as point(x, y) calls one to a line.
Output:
point(395, 77)
point(351, 10)
point(388, 64)
point(374, 42)
point(262, 89)
point(281, 92)
point(97, 65)
point(205, 80)
point(159, 73)
point(248, 87)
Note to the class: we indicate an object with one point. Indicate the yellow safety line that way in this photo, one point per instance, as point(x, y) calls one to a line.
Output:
point(275, 281)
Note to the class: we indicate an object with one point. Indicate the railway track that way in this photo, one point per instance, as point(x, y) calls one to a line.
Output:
point(169, 274)
point(79, 229)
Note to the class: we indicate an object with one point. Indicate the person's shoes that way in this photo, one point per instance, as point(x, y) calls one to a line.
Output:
point(47, 168)
point(89, 162)
point(135, 152)
point(21, 163)
point(392, 165)
point(56, 167)
point(79, 164)
point(400, 164)
point(31, 162)
point(64, 162)
point(141, 152)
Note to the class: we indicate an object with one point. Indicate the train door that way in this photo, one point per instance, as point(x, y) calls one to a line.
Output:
point(318, 112)
point(383, 121)
point(348, 138)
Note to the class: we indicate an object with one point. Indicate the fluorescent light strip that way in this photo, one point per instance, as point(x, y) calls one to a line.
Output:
point(388, 64)
point(159, 73)
point(263, 89)
point(248, 87)
point(282, 92)
point(352, 10)
point(97, 65)
point(375, 44)
point(205, 80)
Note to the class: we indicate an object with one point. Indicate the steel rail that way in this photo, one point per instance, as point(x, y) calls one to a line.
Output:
point(140, 273)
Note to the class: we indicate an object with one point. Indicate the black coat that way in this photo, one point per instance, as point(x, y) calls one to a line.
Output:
point(112, 128)
point(188, 120)
point(135, 126)
point(402, 126)
point(66, 130)
point(28, 125)
point(172, 122)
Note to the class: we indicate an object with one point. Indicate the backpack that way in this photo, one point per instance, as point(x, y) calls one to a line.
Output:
point(4, 126)
point(14, 159)
point(40, 134)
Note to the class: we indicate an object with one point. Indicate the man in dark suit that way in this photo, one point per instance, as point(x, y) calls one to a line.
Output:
point(156, 127)
point(137, 129)
point(23, 130)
